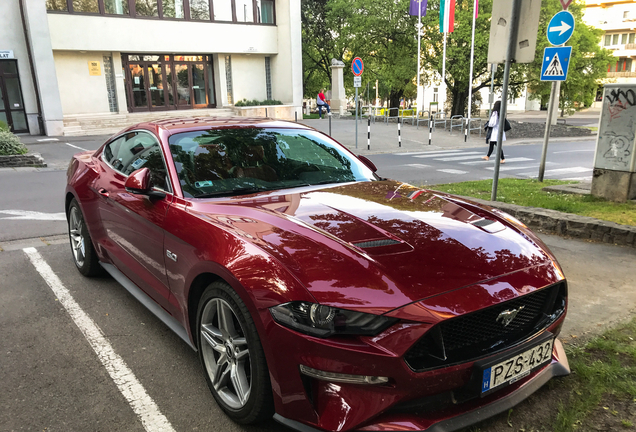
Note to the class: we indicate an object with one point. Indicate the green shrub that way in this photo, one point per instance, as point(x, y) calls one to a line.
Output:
point(255, 102)
point(11, 145)
point(4, 127)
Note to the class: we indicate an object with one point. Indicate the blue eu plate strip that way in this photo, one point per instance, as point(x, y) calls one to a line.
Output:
point(486, 383)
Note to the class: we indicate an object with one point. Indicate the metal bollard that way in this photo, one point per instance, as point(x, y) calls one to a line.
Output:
point(399, 133)
point(369, 134)
point(329, 125)
point(296, 116)
point(265, 112)
point(466, 130)
point(430, 129)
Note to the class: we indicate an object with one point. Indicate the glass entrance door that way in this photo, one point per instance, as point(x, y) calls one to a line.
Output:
point(184, 98)
point(139, 95)
point(12, 110)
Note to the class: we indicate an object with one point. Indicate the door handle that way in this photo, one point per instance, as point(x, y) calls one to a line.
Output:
point(103, 192)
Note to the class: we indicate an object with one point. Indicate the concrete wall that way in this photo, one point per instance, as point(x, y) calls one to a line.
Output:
point(80, 92)
point(97, 33)
point(248, 77)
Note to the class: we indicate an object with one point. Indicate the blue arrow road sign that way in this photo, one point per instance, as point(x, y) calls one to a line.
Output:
point(560, 28)
point(556, 61)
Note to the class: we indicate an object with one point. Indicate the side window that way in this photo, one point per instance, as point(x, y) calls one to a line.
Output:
point(137, 150)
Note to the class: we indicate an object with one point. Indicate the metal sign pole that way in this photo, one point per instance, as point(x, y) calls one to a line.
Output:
point(356, 117)
point(369, 133)
point(512, 42)
point(548, 126)
point(493, 66)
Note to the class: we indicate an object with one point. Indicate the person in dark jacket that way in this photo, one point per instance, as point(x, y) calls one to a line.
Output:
point(492, 129)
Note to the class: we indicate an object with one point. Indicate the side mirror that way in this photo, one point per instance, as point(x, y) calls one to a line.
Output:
point(368, 163)
point(139, 183)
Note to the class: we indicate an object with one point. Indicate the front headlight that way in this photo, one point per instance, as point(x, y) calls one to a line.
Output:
point(324, 321)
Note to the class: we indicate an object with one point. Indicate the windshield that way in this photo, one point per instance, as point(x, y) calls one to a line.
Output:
point(227, 161)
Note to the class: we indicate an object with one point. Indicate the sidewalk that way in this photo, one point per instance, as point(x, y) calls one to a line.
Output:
point(384, 137)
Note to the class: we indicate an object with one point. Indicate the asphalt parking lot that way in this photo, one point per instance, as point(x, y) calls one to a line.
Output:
point(54, 380)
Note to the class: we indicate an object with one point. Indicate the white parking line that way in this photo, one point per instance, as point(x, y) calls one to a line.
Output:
point(452, 171)
point(141, 403)
point(447, 153)
point(74, 146)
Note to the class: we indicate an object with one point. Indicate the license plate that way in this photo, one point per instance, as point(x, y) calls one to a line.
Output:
point(517, 367)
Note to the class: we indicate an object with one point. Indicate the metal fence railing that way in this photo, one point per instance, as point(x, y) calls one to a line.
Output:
point(439, 118)
point(457, 121)
point(471, 125)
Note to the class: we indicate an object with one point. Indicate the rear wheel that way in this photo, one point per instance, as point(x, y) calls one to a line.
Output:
point(232, 356)
point(84, 254)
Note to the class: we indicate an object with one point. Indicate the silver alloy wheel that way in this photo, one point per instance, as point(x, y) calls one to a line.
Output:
point(78, 245)
point(225, 353)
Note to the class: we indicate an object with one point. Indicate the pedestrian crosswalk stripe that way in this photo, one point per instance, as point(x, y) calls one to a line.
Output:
point(418, 165)
point(442, 155)
point(458, 158)
point(559, 171)
point(586, 179)
point(426, 152)
point(452, 171)
point(510, 160)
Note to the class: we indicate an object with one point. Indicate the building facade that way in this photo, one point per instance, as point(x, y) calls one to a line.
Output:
point(64, 58)
point(617, 18)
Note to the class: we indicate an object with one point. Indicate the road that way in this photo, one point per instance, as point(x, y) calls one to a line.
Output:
point(565, 160)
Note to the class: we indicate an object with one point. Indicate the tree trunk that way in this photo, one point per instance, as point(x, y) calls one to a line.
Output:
point(394, 102)
point(459, 102)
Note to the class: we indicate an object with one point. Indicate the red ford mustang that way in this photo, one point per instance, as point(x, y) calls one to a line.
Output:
point(314, 290)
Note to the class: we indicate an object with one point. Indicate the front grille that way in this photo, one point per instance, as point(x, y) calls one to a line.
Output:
point(471, 336)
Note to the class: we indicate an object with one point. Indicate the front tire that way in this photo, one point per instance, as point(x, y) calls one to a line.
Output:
point(232, 356)
point(84, 255)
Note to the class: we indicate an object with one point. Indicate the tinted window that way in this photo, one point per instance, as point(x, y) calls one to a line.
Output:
point(237, 160)
point(138, 150)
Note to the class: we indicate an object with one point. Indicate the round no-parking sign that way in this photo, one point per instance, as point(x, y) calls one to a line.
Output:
point(357, 66)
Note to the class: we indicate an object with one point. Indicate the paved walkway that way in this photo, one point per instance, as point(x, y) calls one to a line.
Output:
point(384, 137)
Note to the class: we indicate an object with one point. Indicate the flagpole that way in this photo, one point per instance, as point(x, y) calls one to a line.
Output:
point(444, 72)
point(472, 60)
point(419, 47)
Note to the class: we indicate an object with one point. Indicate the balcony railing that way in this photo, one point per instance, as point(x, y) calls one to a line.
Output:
point(621, 74)
point(630, 46)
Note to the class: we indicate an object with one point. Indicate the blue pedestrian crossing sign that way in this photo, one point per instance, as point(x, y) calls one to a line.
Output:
point(556, 61)
point(560, 28)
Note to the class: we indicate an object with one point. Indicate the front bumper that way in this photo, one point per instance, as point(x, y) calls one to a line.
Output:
point(308, 404)
point(558, 367)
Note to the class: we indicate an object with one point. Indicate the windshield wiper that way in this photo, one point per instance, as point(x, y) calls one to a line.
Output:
point(230, 192)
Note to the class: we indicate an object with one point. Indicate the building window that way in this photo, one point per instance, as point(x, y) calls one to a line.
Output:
point(512, 99)
point(222, 10)
point(239, 11)
point(623, 38)
point(268, 77)
point(116, 7)
point(625, 14)
point(608, 40)
point(228, 79)
point(436, 94)
point(631, 38)
point(57, 5)
point(86, 6)
point(173, 9)
point(615, 39)
point(628, 65)
point(265, 11)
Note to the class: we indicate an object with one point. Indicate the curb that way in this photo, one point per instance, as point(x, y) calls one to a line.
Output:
point(566, 224)
point(25, 160)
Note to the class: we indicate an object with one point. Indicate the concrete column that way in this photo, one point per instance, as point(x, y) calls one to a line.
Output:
point(287, 66)
point(44, 65)
point(120, 86)
point(338, 96)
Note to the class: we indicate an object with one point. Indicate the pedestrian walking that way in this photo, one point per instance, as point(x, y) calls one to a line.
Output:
point(321, 101)
point(492, 130)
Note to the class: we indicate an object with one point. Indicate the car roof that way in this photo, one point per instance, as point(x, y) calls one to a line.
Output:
point(179, 125)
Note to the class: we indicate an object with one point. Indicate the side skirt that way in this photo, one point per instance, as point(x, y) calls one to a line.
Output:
point(149, 303)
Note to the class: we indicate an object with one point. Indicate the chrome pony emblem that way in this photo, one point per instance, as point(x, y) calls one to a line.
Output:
point(507, 316)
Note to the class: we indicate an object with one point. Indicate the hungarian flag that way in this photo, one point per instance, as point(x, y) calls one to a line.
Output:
point(446, 16)
point(413, 8)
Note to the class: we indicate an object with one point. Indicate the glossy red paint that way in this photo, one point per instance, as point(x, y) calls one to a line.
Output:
point(440, 261)
point(138, 180)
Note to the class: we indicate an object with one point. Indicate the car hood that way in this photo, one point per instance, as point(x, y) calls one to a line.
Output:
point(376, 246)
